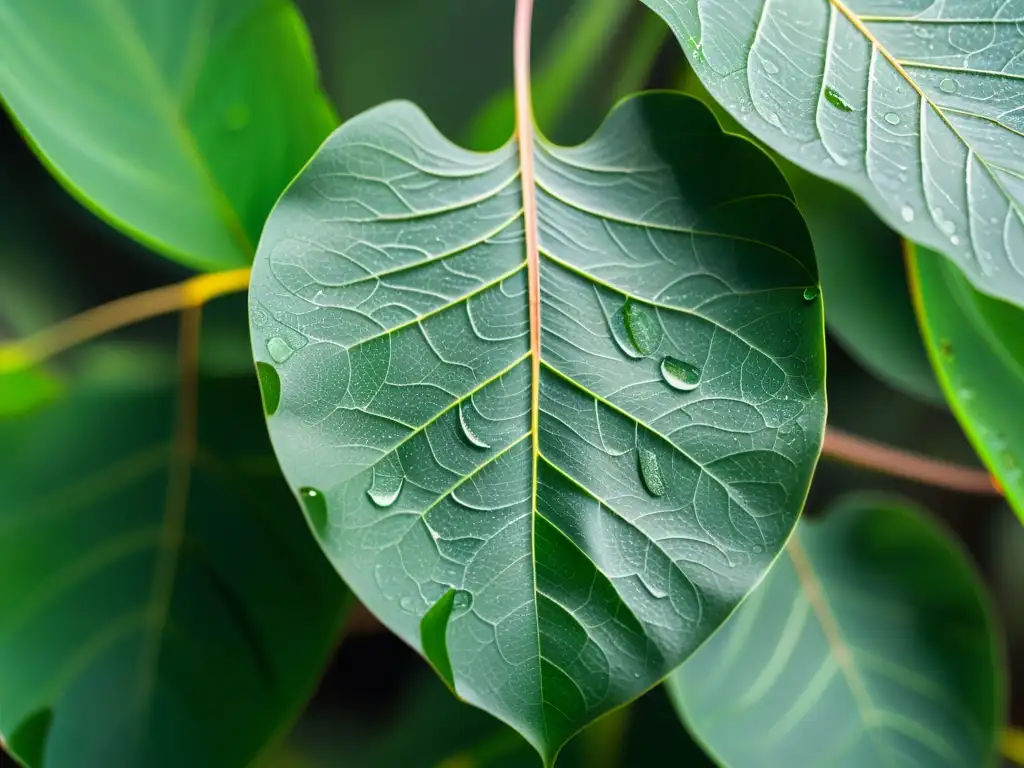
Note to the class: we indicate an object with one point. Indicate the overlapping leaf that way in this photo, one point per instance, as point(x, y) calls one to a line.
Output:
point(555, 546)
point(917, 105)
point(153, 612)
point(868, 644)
point(180, 121)
point(977, 348)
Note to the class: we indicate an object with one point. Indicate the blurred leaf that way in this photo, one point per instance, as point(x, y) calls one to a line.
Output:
point(976, 344)
point(598, 522)
point(432, 729)
point(869, 643)
point(25, 390)
point(179, 121)
point(152, 612)
point(912, 104)
point(867, 300)
point(863, 280)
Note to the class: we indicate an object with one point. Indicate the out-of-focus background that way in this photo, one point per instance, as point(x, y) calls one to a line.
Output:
point(378, 704)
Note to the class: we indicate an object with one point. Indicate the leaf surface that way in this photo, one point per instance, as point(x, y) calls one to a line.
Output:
point(169, 118)
point(976, 344)
point(869, 643)
point(598, 522)
point(913, 104)
point(148, 615)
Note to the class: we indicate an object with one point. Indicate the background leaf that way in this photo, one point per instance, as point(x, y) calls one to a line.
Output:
point(976, 344)
point(680, 406)
point(914, 105)
point(167, 117)
point(869, 643)
point(139, 626)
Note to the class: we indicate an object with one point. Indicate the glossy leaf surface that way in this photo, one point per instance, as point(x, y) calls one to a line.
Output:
point(869, 643)
point(913, 104)
point(153, 613)
point(976, 345)
point(179, 121)
point(597, 527)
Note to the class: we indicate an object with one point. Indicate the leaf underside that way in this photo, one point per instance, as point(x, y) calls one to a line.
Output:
point(916, 105)
point(680, 403)
point(868, 644)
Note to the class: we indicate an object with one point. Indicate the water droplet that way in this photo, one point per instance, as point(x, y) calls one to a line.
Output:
point(650, 471)
point(758, 549)
point(949, 227)
point(892, 118)
point(954, 240)
point(907, 213)
point(770, 66)
point(656, 592)
point(279, 349)
point(946, 346)
point(680, 375)
point(315, 504)
point(833, 97)
point(948, 85)
point(811, 292)
point(237, 116)
point(620, 333)
point(384, 491)
point(463, 601)
point(773, 118)
point(468, 434)
point(642, 327)
point(407, 604)
point(965, 393)
point(270, 387)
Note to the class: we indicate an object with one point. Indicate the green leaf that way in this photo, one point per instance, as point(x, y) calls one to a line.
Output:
point(22, 391)
point(869, 643)
point(153, 613)
point(976, 344)
point(391, 292)
point(912, 104)
point(179, 121)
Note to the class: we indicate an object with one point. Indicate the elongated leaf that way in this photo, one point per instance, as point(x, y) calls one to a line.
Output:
point(153, 613)
point(913, 104)
point(600, 504)
point(179, 121)
point(870, 643)
point(976, 345)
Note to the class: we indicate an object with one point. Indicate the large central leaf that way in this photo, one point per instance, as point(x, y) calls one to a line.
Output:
point(917, 105)
point(555, 523)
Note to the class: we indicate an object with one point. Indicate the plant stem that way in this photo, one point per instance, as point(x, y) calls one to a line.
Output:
point(190, 294)
point(867, 454)
point(1013, 745)
point(524, 135)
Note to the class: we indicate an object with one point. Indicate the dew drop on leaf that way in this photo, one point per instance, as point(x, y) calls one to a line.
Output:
point(650, 471)
point(770, 67)
point(279, 349)
point(642, 328)
point(907, 213)
point(385, 489)
point(680, 375)
point(832, 97)
point(948, 85)
point(463, 601)
point(468, 434)
point(315, 504)
point(811, 293)
point(620, 333)
point(892, 118)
